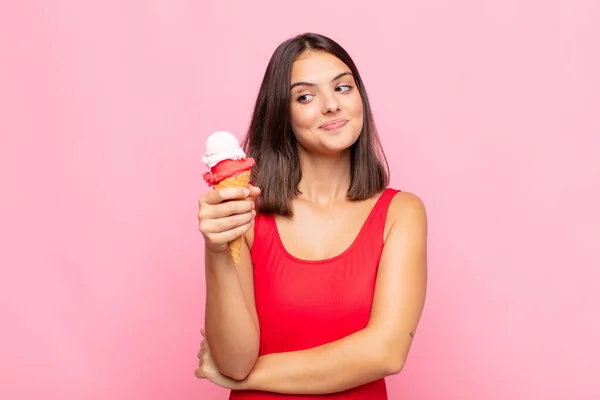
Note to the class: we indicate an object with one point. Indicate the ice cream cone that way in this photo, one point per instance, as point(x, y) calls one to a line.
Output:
point(229, 168)
point(240, 180)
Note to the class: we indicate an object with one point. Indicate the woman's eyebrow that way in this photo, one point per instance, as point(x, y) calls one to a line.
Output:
point(312, 84)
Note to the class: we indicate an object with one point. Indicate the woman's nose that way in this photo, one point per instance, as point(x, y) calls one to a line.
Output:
point(330, 104)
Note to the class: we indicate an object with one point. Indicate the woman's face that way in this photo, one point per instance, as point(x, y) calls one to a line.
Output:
point(326, 110)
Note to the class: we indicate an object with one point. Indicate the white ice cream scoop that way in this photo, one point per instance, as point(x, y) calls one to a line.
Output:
point(221, 146)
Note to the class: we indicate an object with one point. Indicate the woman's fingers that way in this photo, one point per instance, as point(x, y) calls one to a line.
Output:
point(226, 214)
point(254, 191)
point(230, 235)
point(203, 347)
point(231, 208)
point(215, 197)
point(228, 223)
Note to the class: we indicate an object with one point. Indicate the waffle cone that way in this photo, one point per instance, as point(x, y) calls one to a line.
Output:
point(240, 180)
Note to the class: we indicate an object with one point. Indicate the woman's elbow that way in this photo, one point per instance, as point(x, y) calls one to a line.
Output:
point(394, 365)
point(242, 371)
point(393, 361)
point(240, 368)
point(238, 374)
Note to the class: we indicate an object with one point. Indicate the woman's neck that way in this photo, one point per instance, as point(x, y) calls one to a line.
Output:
point(325, 179)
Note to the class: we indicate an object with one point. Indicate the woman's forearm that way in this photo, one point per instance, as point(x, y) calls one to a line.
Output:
point(345, 364)
point(230, 327)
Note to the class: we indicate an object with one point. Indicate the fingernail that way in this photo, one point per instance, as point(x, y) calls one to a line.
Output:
point(246, 192)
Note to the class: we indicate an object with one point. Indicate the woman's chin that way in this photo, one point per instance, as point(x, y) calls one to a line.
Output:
point(335, 150)
point(330, 147)
point(340, 145)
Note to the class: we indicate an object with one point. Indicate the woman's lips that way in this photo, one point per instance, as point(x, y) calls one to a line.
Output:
point(335, 124)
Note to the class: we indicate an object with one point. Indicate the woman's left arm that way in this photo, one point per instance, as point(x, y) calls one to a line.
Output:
point(382, 347)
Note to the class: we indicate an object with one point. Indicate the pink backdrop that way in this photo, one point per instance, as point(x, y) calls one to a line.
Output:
point(488, 110)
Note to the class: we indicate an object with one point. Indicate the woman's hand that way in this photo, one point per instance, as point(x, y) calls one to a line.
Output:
point(208, 370)
point(226, 214)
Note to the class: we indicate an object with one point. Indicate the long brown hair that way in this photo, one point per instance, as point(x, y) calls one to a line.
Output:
point(271, 142)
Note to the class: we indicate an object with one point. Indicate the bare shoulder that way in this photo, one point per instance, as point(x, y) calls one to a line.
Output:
point(406, 202)
point(407, 212)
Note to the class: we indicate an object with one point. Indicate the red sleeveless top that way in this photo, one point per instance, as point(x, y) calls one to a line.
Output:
point(303, 304)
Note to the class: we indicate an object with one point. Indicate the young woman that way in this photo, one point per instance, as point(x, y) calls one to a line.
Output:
point(331, 284)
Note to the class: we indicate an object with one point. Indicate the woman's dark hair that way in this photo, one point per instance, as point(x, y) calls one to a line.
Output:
point(271, 142)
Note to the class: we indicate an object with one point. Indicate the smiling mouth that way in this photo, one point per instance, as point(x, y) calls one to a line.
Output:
point(332, 125)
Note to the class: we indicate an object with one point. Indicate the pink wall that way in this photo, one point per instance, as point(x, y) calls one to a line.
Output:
point(488, 110)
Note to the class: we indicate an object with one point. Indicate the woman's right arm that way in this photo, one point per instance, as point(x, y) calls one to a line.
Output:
point(231, 323)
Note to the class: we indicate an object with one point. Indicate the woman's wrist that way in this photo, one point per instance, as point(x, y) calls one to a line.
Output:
point(217, 257)
point(216, 251)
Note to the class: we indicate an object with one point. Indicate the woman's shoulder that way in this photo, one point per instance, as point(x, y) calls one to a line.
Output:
point(406, 206)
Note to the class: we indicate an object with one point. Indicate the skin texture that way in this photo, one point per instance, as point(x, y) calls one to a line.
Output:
point(380, 349)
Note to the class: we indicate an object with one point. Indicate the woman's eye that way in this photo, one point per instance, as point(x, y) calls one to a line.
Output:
point(344, 88)
point(304, 98)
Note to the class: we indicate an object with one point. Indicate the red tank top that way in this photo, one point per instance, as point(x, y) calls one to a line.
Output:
point(303, 304)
